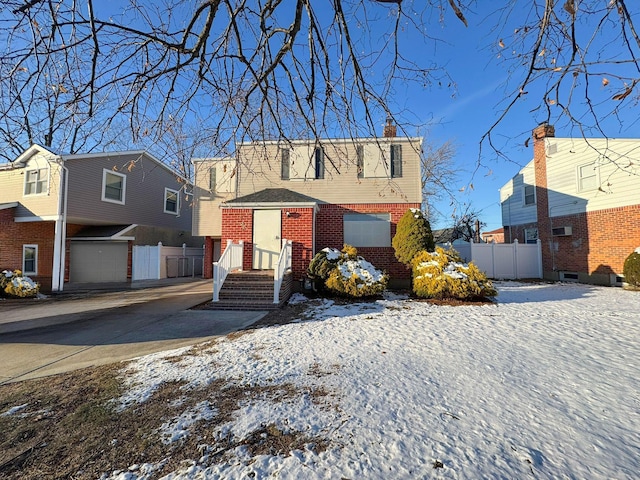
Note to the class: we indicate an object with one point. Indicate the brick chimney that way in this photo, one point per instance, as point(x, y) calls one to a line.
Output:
point(389, 130)
point(540, 134)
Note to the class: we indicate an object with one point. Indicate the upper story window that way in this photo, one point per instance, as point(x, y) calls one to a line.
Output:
point(396, 161)
point(114, 186)
point(302, 163)
point(529, 195)
point(372, 162)
point(30, 259)
point(36, 182)
point(212, 180)
point(171, 201)
point(588, 177)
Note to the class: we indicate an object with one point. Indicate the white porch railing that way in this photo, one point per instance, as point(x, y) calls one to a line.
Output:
point(231, 259)
point(283, 265)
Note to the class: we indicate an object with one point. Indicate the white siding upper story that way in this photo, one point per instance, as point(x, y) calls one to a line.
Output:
point(592, 174)
point(517, 198)
point(215, 182)
point(583, 175)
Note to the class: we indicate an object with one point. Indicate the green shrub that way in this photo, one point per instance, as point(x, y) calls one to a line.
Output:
point(323, 263)
point(442, 274)
point(413, 235)
point(14, 284)
point(346, 273)
point(631, 269)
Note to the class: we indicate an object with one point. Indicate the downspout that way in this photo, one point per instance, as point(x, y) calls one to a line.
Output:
point(60, 238)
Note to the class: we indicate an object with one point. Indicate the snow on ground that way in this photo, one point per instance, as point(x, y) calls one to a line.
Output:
point(544, 384)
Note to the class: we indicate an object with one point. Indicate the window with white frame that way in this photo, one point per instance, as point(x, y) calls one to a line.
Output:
point(367, 229)
point(530, 235)
point(304, 162)
point(529, 195)
point(171, 201)
point(114, 186)
point(30, 259)
point(36, 182)
point(588, 177)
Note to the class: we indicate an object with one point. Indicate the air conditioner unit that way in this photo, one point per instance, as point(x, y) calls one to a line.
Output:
point(561, 231)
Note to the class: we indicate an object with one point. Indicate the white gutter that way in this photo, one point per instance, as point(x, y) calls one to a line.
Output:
point(60, 237)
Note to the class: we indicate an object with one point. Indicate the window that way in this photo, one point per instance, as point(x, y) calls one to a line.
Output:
point(587, 177)
point(30, 259)
point(171, 201)
point(319, 162)
point(396, 161)
point(530, 235)
point(212, 179)
point(36, 182)
point(285, 165)
point(529, 195)
point(113, 186)
point(367, 229)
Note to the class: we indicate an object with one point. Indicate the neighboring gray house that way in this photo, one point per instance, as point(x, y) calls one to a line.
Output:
point(75, 218)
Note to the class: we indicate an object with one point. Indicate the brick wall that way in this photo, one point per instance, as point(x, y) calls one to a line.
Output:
point(600, 240)
point(298, 227)
point(237, 224)
point(14, 235)
point(516, 232)
point(330, 233)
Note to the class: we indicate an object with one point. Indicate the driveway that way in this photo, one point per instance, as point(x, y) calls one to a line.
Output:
point(79, 331)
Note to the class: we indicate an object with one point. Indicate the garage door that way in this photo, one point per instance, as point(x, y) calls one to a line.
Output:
point(97, 262)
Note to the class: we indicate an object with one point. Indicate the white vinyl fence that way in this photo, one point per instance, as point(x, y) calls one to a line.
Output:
point(152, 262)
point(503, 260)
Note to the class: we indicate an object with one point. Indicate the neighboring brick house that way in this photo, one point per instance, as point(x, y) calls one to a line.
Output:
point(76, 217)
point(317, 194)
point(493, 236)
point(581, 198)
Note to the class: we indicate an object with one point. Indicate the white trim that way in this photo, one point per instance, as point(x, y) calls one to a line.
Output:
point(35, 260)
point(524, 196)
point(45, 191)
point(177, 193)
point(325, 141)
point(579, 178)
point(269, 205)
point(36, 218)
point(106, 172)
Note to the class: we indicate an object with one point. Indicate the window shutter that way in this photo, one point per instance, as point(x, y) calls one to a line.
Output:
point(396, 161)
point(212, 179)
point(360, 160)
point(319, 162)
point(284, 170)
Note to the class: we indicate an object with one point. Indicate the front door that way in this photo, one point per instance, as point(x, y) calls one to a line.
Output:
point(266, 238)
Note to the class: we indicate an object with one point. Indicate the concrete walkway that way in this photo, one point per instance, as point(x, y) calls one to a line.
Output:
point(77, 330)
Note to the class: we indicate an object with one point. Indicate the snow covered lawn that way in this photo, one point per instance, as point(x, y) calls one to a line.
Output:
point(543, 384)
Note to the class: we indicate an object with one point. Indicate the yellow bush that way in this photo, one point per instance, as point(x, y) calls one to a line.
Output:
point(442, 274)
point(13, 284)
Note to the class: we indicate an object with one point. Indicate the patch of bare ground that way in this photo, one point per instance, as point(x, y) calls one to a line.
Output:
point(70, 427)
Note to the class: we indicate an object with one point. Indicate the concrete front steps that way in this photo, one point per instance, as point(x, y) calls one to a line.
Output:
point(251, 290)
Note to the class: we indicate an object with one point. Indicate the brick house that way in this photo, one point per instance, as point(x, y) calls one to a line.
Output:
point(317, 194)
point(581, 198)
point(75, 218)
point(493, 236)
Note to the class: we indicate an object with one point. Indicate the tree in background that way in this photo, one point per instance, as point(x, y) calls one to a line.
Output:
point(74, 69)
point(413, 234)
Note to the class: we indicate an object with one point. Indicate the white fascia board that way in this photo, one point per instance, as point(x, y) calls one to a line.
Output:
point(45, 218)
point(269, 205)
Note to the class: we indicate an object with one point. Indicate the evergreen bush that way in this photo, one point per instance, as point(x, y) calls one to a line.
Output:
point(441, 274)
point(345, 273)
point(413, 235)
point(631, 269)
